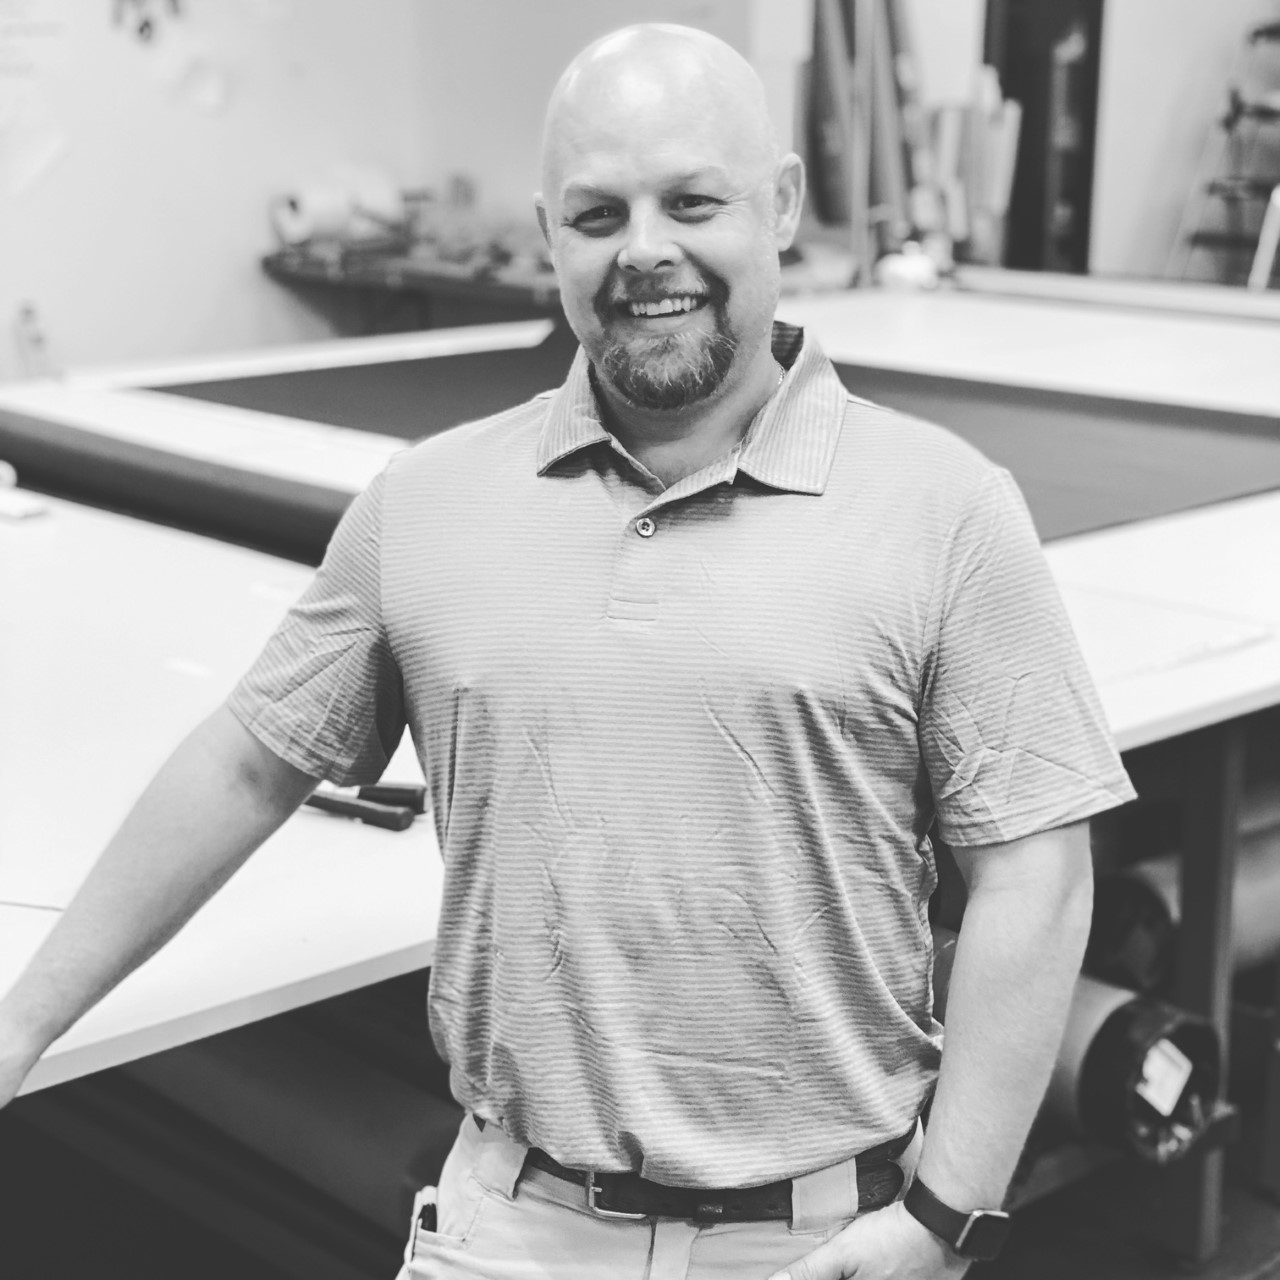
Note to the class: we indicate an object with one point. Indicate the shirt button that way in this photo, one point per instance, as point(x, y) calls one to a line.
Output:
point(645, 527)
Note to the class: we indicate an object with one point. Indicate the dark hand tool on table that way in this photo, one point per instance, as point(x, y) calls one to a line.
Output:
point(406, 795)
point(392, 817)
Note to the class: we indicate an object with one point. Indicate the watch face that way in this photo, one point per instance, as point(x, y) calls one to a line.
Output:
point(985, 1236)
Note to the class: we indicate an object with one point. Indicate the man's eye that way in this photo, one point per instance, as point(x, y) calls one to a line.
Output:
point(604, 217)
point(692, 204)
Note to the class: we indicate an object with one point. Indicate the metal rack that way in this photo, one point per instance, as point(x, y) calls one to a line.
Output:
point(1232, 213)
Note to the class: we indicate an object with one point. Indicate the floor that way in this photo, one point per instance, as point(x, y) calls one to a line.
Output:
point(1078, 1234)
point(62, 1216)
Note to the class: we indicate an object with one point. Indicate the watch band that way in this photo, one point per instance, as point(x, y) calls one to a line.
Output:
point(979, 1235)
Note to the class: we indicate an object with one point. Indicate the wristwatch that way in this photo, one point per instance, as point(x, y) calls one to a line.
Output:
point(979, 1235)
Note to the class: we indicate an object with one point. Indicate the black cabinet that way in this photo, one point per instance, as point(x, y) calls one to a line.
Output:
point(1047, 53)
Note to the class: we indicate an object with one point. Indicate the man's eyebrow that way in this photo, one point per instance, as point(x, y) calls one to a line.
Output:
point(580, 191)
point(707, 173)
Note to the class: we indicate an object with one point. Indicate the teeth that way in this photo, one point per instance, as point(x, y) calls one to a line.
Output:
point(666, 307)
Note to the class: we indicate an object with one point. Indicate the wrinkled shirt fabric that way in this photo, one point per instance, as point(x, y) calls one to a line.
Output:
point(683, 775)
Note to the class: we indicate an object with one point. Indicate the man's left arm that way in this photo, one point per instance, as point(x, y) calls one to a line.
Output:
point(1016, 964)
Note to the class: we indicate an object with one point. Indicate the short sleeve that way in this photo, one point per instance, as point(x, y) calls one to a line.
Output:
point(1012, 733)
point(326, 694)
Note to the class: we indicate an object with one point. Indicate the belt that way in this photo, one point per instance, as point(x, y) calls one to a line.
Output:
point(631, 1197)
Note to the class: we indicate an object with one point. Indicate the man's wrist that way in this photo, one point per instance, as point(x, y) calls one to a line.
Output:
point(966, 1186)
point(21, 1043)
point(974, 1234)
point(947, 1261)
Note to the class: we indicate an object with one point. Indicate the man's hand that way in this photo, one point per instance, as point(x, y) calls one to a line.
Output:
point(886, 1245)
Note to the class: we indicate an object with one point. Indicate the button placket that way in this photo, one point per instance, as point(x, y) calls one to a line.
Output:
point(634, 597)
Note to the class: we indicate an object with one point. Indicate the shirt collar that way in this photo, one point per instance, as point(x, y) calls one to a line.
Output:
point(789, 445)
point(573, 420)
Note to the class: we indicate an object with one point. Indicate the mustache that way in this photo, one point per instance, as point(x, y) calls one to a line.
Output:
point(618, 291)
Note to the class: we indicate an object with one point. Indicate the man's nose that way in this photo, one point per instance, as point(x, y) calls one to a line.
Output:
point(648, 244)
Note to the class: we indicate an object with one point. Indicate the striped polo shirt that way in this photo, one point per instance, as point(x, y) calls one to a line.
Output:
point(685, 746)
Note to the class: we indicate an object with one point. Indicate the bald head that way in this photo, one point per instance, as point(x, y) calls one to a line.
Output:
point(644, 85)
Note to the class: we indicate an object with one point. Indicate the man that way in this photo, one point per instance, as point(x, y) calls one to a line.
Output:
point(694, 651)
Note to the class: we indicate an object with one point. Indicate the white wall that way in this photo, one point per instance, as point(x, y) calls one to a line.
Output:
point(492, 64)
point(142, 240)
point(1165, 69)
point(947, 36)
point(779, 41)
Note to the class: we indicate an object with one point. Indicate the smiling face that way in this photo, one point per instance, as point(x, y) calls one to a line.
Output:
point(665, 210)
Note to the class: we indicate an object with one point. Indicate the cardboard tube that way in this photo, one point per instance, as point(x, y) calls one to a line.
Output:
point(1136, 911)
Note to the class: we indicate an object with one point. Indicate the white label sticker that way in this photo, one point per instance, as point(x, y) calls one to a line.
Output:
point(1164, 1076)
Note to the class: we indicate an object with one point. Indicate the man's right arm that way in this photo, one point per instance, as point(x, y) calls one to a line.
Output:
point(216, 799)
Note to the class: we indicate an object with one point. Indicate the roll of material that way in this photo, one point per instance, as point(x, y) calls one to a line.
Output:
point(1132, 1072)
point(318, 211)
point(1136, 911)
point(352, 203)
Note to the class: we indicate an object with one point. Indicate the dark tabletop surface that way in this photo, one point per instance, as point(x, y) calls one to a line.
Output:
point(1083, 462)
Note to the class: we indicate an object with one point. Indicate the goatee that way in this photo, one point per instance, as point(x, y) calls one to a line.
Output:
point(671, 370)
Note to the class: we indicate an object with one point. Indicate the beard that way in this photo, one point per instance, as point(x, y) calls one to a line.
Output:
point(668, 370)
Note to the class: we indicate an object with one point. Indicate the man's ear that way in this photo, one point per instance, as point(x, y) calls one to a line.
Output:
point(788, 198)
point(540, 208)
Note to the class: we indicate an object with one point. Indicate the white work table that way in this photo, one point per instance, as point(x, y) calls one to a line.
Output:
point(1217, 362)
point(125, 634)
point(1179, 616)
point(119, 637)
point(115, 403)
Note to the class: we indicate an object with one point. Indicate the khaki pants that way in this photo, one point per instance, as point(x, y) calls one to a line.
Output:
point(497, 1222)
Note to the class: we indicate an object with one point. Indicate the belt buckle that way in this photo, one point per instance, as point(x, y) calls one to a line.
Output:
point(611, 1214)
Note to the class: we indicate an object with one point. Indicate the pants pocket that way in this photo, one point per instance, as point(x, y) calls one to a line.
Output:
point(442, 1227)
